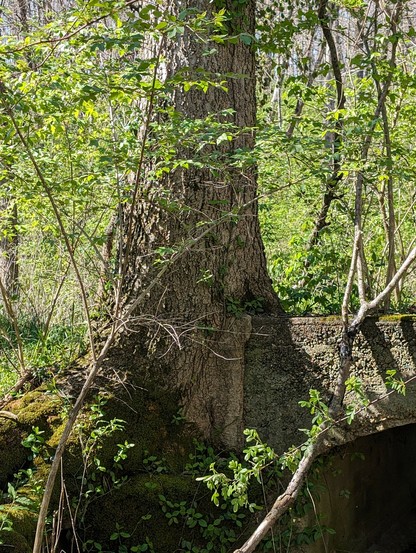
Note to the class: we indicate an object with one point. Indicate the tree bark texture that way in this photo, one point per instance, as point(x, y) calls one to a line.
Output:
point(9, 271)
point(196, 314)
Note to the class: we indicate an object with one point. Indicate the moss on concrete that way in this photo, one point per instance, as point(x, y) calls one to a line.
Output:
point(35, 408)
point(137, 508)
point(14, 542)
point(329, 319)
point(13, 454)
point(150, 427)
point(390, 317)
point(397, 317)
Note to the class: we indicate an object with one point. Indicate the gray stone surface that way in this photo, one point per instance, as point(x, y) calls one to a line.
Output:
point(368, 487)
point(285, 357)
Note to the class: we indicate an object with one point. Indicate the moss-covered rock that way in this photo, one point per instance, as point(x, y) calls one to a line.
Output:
point(13, 454)
point(136, 508)
point(22, 528)
point(106, 495)
point(36, 408)
point(14, 542)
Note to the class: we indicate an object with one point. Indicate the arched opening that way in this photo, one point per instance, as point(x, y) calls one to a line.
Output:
point(369, 494)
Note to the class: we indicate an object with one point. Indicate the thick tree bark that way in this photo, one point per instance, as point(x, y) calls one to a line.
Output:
point(209, 220)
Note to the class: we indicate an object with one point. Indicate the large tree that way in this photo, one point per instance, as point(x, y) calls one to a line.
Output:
point(204, 214)
point(190, 262)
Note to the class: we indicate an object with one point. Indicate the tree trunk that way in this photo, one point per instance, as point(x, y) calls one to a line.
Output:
point(9, 271)
point(208, 220)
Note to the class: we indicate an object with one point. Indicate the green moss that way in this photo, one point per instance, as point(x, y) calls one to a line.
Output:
point(35, 408)
point(150, 427)
point(149, 486)
point(15, 542)
point(24, 522)
point(393, 317)
point(329, 319)
point(13, 454)
point(23, 528)
point(397, 317)
point(137, 508)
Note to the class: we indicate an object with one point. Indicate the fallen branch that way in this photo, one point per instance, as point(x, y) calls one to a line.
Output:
point(16, 388)
point(9, 415)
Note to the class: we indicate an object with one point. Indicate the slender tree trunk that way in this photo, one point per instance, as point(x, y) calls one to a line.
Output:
point(9, 240)
point(333, 181)
point(9, 270)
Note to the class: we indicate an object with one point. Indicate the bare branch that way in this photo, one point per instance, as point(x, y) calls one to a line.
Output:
point(57, 40)
point(9, 415)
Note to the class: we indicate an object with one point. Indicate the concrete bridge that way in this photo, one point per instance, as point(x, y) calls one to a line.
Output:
point(285, 357)
point(370, 485)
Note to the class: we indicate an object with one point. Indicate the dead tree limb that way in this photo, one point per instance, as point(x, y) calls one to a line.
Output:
point(9, 415)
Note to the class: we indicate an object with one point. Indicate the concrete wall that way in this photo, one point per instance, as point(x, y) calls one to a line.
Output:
point(369, 499)
point(285, 357)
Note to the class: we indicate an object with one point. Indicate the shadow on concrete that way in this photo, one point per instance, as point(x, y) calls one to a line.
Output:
point(278, 374)
point(408, 329)
point(379, 346)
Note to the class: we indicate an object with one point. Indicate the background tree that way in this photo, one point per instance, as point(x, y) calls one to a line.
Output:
point(360, 64)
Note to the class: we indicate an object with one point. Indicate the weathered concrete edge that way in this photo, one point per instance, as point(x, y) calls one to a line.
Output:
point(286, 356)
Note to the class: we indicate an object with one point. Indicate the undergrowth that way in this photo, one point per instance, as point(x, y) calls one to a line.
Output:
point(186, 512)
point(44, 351)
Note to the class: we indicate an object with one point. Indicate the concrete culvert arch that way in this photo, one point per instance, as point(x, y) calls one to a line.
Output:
point(368, 495)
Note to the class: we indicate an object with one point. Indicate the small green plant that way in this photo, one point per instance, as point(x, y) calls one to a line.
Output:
point(118, 537)
point(235, 488)
point(153, 465)
point(97, 478)
point(25, 491)
point(237, 307)
point(216, 531)
point(395, 383)
point(35, 441)
point(6, 524)
point(319, 411)
point(201, 459)
point(179, 417)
